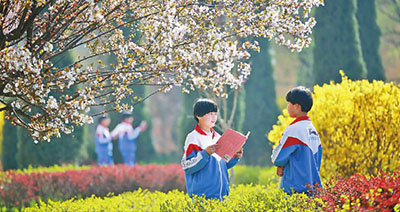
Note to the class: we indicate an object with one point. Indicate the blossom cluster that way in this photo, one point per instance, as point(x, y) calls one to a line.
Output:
point(192, 43)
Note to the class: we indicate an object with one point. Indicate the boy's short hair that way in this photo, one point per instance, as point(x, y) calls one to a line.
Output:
point(204, 106)
point(126, 115)
point(302, 96)
point(102, 117)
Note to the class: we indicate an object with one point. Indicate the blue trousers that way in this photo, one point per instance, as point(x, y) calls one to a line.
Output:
point(129, 157)
point(104, 154)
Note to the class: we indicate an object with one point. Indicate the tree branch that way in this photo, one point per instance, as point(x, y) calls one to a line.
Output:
point(234, 105)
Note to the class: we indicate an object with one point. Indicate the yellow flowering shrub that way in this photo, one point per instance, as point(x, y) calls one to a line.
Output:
point(283, 121)
point(242, 198)
point(358, 122)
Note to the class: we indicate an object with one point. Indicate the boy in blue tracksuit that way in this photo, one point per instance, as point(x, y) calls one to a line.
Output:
point(299, 153)
point(206, 173)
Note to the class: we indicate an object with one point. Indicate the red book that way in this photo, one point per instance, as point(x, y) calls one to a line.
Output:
point(229, 143)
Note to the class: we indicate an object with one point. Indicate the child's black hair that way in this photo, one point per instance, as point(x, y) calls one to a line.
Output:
point(302, 96)
point(202, 107)
point(101, 118)
point(126, 115)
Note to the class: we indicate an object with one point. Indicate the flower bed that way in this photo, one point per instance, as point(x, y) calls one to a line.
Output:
point(360, 193)
point(18, 189)
point(88, 187)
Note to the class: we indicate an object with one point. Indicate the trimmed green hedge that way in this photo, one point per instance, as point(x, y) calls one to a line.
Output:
point(242, 198)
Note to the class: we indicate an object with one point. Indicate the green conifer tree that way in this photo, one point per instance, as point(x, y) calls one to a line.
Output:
point(369, 36)
point(261, 108)
point(337, 43)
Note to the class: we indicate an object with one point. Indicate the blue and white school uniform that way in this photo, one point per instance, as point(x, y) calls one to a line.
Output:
point(104, 146)
point(300, 153)
point(126, 141)
point(206, 175)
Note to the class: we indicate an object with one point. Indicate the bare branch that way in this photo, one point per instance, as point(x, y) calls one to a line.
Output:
point(234, 105)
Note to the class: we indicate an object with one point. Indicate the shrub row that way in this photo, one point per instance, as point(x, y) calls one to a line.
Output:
point(19, 189)
point(242, 198)
point(356, 193)
point(242, 175)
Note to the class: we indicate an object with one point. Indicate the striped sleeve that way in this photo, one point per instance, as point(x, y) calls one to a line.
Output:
point(194, 158)
point(288, 148)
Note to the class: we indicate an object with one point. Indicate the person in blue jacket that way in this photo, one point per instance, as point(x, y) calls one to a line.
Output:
point(206, 173)
point(103, 142)
point(127, 135)
point(299, 153)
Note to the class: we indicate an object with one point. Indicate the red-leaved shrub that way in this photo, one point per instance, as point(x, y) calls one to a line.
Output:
point(360, 193)
point(18, 189)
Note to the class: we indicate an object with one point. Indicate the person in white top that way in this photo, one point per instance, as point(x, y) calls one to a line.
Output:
point(103, 141)
point(127, 135)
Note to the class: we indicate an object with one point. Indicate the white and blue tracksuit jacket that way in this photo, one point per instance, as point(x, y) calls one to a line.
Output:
point(126, 141)
point(300, 153)
point(206, 175)
point(126, 136)
point(104, 146)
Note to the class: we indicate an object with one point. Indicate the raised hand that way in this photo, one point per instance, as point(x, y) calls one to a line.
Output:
point(143, 126)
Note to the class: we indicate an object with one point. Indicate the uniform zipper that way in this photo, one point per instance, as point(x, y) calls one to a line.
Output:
point(220, 174)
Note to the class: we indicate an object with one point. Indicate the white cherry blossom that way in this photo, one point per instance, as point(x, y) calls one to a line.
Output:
point(192, 44)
